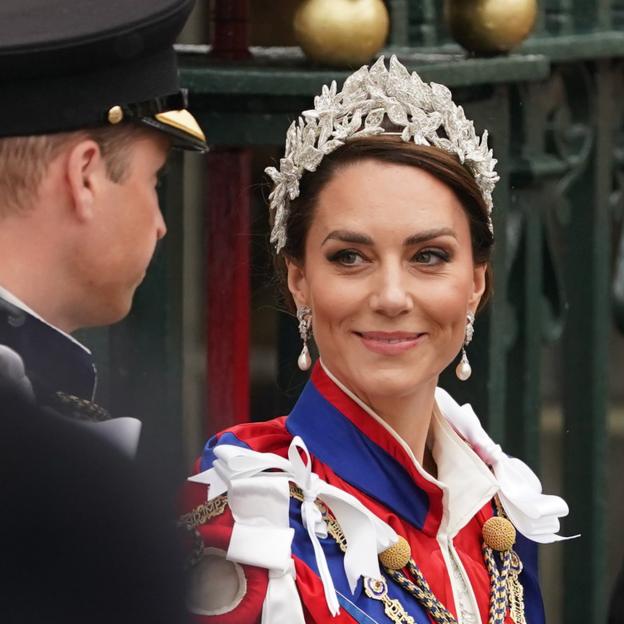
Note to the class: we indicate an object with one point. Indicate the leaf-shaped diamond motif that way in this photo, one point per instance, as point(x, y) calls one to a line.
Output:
point(425, 113)
point(396, 113)
point(310, 158)
point(374, 118)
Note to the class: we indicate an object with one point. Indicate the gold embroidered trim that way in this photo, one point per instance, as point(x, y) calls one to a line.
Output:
point(202, 513)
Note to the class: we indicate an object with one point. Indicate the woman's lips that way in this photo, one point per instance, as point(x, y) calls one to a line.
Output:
point(390, 343)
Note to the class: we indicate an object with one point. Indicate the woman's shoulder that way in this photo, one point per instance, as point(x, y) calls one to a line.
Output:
point(270, 436)
point(223, 591)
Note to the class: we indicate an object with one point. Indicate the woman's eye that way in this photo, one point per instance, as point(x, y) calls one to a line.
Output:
point(431, 257)
point(347, 257)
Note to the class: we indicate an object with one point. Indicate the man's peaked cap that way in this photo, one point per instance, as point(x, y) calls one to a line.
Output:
point(72, 64)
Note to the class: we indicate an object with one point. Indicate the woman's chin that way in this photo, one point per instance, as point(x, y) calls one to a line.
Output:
point(391, 382)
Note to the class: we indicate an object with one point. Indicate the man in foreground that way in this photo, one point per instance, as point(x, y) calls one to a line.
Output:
point(83, 534)
point(90, 107)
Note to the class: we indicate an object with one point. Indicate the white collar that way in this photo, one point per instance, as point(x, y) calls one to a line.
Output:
point(466, 482)
point(11, 298)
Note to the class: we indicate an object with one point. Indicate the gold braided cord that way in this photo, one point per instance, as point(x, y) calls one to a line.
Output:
point(422, 592)
point(498, 583)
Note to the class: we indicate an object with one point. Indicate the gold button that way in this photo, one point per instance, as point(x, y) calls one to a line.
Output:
point(115, 115)
point(397, 556)
point(499, 534)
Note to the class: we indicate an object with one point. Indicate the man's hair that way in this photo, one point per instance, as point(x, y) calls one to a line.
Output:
point(24, 160)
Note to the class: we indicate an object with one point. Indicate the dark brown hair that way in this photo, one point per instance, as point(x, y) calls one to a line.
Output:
point(388, 149)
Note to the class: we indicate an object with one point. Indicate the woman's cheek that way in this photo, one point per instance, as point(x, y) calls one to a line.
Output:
point(447, 300)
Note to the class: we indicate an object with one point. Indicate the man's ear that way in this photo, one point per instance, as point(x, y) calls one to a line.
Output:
point(85, 168)
point(297, 283)
point(478, 286)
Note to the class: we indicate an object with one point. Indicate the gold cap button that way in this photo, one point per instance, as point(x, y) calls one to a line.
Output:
point(499, 534)
point(397, 556)
point(115, 114)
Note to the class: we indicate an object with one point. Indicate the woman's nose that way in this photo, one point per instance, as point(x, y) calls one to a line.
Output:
point(390, 294)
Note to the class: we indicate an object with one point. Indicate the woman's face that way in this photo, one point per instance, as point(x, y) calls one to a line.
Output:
point(389, 275)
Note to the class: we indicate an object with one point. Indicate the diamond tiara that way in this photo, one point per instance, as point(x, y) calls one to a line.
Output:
point(426, 112)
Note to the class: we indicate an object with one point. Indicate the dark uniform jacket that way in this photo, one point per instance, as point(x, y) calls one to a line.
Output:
point(60, 370)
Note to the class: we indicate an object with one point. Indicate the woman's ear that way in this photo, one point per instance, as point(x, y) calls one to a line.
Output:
point(297, 283)
point(84, 168)
point(478, 286)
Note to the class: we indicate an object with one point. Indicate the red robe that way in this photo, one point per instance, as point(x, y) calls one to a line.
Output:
point(356, 452)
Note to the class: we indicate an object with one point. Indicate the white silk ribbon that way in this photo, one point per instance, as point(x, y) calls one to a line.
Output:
point(261, 536)
point(534, 514)
point(259, 501)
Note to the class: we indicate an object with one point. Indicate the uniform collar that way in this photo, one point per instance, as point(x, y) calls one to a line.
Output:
point(12, 299)
point(54, 360)
point(345, 434)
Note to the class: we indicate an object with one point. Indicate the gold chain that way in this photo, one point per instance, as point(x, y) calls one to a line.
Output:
point(333, 528)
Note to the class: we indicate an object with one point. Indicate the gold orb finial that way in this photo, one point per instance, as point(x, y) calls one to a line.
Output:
point(341, 33)
point(499, 534)
point(490, 26)
point(397, 556)
point(115, 114)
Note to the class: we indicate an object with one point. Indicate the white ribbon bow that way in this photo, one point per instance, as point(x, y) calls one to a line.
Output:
point(534, 514)
point(259, 501)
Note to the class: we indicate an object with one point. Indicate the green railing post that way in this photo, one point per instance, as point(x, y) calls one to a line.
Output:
point(422, 24)
point(592, 15)
point(399, 23)
point(617, 14)
point(535, 299)
point(585, 356)
point(558, 18)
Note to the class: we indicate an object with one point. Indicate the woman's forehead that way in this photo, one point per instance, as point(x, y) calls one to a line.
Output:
point(376, 195)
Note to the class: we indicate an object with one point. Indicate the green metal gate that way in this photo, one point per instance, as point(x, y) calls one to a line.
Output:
point(555, 111)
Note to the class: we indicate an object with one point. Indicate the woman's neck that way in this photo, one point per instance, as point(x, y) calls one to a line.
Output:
point(409, 416)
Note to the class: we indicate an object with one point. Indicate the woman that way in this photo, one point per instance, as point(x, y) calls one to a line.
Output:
point(378, 498)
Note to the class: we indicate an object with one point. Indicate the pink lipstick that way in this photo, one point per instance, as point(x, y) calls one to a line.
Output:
point(390, 343)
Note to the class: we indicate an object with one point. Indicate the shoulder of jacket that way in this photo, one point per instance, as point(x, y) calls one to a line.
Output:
point(221, 591)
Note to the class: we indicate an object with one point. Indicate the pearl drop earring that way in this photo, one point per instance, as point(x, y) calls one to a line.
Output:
point(304, 316)
point(463, 369)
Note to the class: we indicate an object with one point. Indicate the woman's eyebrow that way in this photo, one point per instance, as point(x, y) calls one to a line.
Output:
point(421, 237)
point(348, 236)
